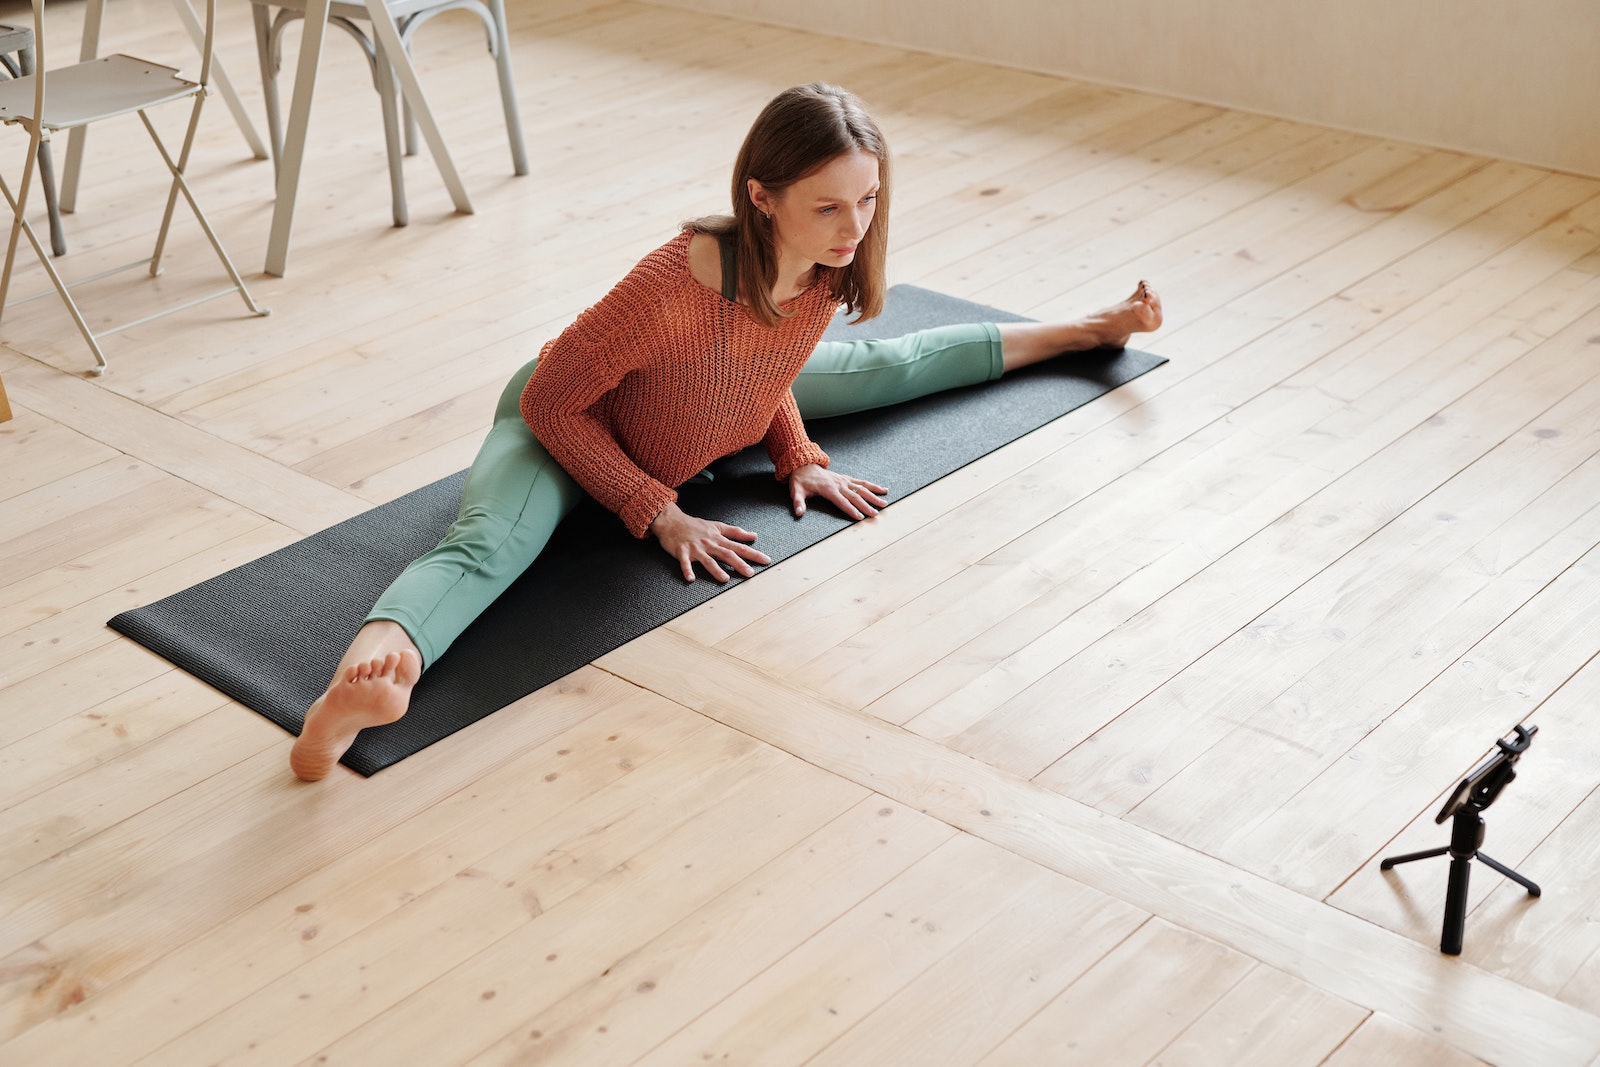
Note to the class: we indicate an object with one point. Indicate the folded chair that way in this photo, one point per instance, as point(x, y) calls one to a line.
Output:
point(85, 93)
point(408, 15)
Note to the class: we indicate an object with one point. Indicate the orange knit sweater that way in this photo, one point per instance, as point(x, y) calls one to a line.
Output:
point(663, 376)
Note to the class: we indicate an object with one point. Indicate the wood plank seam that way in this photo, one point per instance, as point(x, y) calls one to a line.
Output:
point(248, 479)
point(1346, 956)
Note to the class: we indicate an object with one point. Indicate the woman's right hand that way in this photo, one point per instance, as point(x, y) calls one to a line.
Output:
point(690, 540)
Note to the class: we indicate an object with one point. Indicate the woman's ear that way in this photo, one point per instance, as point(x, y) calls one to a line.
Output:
point(759, 196)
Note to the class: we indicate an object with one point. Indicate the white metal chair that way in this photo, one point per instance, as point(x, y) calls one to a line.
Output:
point(408, 15)
point(85, 93)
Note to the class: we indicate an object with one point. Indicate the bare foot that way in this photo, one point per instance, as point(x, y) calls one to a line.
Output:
point(367, 694)
point(1140, 313)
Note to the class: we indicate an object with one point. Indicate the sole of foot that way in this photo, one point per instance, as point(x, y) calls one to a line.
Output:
point(372, 693)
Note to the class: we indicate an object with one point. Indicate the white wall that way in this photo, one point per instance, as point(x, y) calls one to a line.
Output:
point(1518, 79)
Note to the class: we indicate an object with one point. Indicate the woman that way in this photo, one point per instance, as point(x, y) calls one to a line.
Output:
point(708, 345)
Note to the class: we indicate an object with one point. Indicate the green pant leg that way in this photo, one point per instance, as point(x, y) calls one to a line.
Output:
point(845, 376)
point(514, 496)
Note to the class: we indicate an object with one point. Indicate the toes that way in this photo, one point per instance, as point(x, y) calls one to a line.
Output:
point(403, 667)
point(373, 669)
point(1147, 306)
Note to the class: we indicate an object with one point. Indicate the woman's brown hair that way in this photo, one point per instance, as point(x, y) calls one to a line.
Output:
point(801, 130)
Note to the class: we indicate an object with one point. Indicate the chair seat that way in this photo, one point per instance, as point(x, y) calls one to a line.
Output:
point(15, 38)
point(99, 89)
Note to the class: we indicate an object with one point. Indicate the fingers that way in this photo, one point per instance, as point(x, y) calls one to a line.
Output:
point(735, 532)
point(736, 556)
point(850, 509)
point(751, 554)
point(717, 547)
point(876, 495)
point(713, 553)
point(716, 572)
point(734, 552)
point(693, 554)
point(858, 499)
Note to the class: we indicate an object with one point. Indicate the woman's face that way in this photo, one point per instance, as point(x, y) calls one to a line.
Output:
point(823, 216)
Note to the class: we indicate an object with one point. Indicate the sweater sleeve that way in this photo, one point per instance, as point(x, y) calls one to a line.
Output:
point(786, 440)
point(575, 370)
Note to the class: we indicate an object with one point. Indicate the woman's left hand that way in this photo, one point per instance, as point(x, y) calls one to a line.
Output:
point(856, 497)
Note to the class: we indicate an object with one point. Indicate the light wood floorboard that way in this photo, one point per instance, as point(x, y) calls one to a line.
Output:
point(1084, 754)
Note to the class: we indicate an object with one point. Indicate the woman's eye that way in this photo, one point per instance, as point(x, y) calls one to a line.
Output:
point(869, 199)
point(829, 210)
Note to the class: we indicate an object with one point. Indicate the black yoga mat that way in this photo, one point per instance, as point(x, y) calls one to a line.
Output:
point(270, 633)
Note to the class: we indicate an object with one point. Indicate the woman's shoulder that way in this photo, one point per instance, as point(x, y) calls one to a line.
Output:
point(666, 267)
point(659, 282)
point(703, 259)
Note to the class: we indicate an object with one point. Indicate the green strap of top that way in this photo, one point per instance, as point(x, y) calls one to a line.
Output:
point(730, 268)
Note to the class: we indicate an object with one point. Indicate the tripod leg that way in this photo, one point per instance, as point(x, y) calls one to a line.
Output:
point(1496, 865)
point(1409, 856)
point(1455, 906)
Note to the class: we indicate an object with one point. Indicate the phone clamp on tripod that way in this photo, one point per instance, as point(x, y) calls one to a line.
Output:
point(1465, 805)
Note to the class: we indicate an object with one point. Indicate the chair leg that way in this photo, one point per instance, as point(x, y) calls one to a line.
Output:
point(177, 179)
point(220, 83)
point(19, 207)
point(20, 223)
point(47, 172)
point(383, 77)
point(508, 88)
point(410, 124)
point(77, 137)
point(493, 15)
point(47, 182)
point(268, 30)
point(179, 185)
point(269, 83)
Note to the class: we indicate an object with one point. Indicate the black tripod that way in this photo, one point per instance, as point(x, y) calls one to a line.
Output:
point(1466, 804)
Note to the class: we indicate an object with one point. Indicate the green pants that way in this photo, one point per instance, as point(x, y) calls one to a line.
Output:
point(516, 493)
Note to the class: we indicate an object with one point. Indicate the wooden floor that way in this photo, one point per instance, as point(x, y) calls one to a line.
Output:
point(1084, 755)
